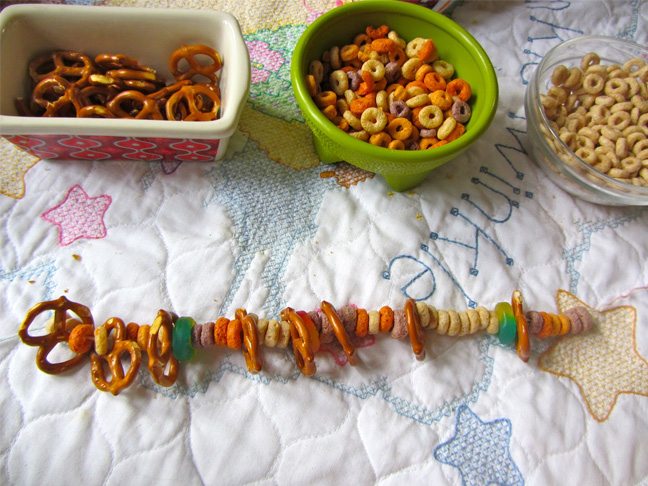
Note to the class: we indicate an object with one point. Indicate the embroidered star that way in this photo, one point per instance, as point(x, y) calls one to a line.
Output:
point(480, 450)
point(79, 216)
point(15, 164)
point(603, 362)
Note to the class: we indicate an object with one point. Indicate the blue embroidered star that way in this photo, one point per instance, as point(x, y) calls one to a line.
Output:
point(480, 451)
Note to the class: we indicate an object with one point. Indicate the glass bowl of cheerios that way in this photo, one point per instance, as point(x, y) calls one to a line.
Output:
point(587, 118)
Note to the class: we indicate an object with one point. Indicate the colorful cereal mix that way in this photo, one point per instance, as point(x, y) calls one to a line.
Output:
point(383, 90)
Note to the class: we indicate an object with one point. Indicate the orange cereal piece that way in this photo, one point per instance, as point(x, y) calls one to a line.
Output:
point(364, 52)
point(361, 39)
point(367, 86)
point(380, 139)
point(81, 338)
point(330, 112)
point(422, 71)
point(442, 99)
point(324, 99)
point(131, 331)
point(459, 88)
point(381, 31)
point(397, 91)
point(440, 143)
point(396, 145)
point(362, 323)
point(428, 52)
point(346, 69)
point(428, 142)
point(380, 85)
point(400, 129)
point(383, 45)
point(386, 318)
point(434, 81)
point(417, 84)
point(547, 327)
point(220, 331)
point(349, 52)
point(415, 117)
point(456, 132)
point(398, 56)
point(359, 105)
point(234, 334)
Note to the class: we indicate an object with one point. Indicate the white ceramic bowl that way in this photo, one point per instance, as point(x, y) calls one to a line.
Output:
point(147, 35)
point(553, 156)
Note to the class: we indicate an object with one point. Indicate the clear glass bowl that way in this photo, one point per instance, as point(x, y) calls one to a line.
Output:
point(553, 156)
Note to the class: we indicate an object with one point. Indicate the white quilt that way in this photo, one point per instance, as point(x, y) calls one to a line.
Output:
point(270, 227)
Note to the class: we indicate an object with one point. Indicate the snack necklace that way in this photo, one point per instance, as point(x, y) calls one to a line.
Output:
point(170, 339)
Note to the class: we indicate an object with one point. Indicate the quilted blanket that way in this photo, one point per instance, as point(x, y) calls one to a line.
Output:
point(269, 227)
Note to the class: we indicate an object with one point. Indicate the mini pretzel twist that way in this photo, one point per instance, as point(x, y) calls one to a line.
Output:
point(118, 381)
point(75, 67)
point(160, 353)
point(193, 103)
point(187, 54)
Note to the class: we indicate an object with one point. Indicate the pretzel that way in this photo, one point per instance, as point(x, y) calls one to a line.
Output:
point(119, 381)
point(159, 357)
point(134, 105)
point(65, 64)
point(119, 61)
point(250, 342)
point(55, 96)
point(188, 54)
point(58, 334)
point(414, 329)
point(301, 341)
point(193, 103)
point(340, 332)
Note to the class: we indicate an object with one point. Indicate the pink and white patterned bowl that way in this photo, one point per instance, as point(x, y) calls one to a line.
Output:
point(148, 35)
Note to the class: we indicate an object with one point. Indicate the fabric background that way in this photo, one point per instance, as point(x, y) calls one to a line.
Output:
point(270, 226)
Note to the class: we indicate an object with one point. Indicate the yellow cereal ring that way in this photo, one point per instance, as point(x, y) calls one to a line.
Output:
point(418, 100)
point(431, 116)
point(284, 334)
point(443, 322)
point(262, 328)
point(444, 68)
point(339, 82)
point(424, 314)
point(311, 84)
point(272, 333)
point(373, 120)
point(374, 322)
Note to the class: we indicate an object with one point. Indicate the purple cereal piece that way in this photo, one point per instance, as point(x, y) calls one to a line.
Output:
point(392, 72)
point(428, 133)
point(399, 109)
point(461, 111)
point(399, 329)
point(575, 320)
point(354, 80)
point(348, 316)
point(317, 320)
point(195, 336)
point(327, 335)
point(585, 317)
point(413, 146)
point(207, 338)
point(535, 322)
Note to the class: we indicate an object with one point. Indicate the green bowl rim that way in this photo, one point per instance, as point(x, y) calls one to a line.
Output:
point(478, 126)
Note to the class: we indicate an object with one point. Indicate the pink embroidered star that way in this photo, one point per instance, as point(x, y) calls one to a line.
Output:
point(79, 216)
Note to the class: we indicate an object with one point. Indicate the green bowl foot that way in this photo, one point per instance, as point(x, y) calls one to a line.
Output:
point(400, 183)
point(325, 155)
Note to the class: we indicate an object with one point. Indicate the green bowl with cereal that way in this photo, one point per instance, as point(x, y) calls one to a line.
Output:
point(587, 118)
point(411, 74)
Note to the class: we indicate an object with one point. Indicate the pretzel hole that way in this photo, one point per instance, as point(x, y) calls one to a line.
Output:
point(60, 353)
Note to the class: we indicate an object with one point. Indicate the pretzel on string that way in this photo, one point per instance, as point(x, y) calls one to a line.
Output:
point(170, 340)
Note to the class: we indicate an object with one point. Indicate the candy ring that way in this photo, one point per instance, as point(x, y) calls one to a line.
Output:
point(414, 329)
point(202, 104)
point(523, 347)
point(65, 64)
point(340, 332)
point(58, 334)
point(160, 335)
point(301, 341)
point(119, 381)
point(134, 105)
point(250, 342)
point(188, 54)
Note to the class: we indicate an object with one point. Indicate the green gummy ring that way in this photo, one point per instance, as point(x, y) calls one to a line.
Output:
point(507, 324)
point(181, 342)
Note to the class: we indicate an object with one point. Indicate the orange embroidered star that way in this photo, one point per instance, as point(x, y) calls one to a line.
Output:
point(603, 362)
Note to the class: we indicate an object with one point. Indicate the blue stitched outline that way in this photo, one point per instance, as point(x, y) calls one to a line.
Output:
point(30, 273)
